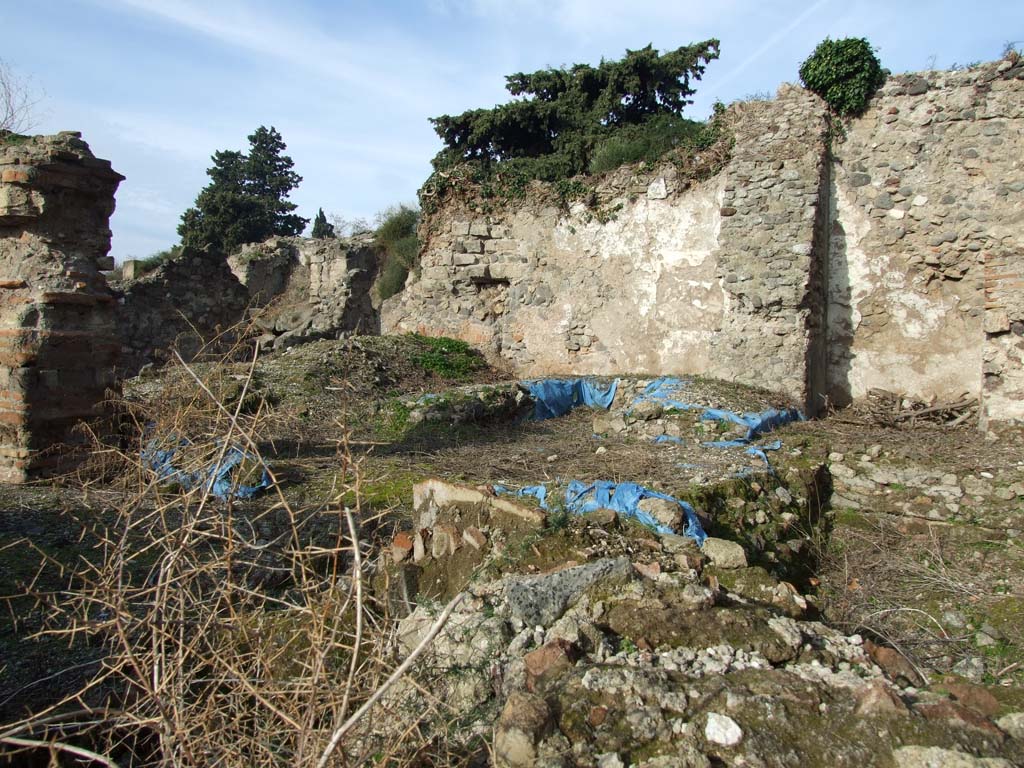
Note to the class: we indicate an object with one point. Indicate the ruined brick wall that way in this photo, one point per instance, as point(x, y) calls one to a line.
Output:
point(888, 255)
point(706, 277)
point(58, 336)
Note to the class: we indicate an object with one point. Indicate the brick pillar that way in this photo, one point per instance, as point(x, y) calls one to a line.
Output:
point(58, 336)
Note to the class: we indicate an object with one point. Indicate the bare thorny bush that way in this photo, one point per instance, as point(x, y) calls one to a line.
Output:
point(235, 633)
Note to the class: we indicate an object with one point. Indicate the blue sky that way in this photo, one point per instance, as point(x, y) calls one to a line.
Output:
point(156, 86)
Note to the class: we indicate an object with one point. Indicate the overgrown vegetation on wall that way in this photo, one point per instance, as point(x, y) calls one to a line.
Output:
point(845, 73)
point(399, 247)
point(574, 121)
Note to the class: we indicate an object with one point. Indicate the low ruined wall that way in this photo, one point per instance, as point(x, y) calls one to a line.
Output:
point(58, 336)
point(295, 287)
point(184, 303)
point(314, 288)
point(824, 260)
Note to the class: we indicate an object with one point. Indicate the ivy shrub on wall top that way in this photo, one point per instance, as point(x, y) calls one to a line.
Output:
point(845, 73)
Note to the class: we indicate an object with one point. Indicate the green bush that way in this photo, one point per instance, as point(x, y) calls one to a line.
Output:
point(845, 73)
point(647, 142)
point(399, 247)
point(447, 357)
point(153, 261)
point(391, 279)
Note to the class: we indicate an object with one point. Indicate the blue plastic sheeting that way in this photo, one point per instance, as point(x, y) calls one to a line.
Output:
point(739, 442)
point(215, 476)
point(756, 423)
point(668, 391)
point(669, 439)
point(624, 498)
point(759, 450)
point(556, 397)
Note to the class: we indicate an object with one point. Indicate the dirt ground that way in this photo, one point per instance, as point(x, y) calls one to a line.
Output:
point(894, 561)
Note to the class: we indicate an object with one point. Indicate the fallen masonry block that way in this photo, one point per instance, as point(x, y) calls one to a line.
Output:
point(548, 661)
point(543, 599)
point(401, 546)
point(474, 537)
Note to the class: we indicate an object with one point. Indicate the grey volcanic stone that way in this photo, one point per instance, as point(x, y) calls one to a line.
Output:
point(543, 599)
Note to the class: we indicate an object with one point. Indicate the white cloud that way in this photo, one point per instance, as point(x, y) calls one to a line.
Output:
point(776, 40)
point(147, 200)
point(186, 138)
point(362, 66)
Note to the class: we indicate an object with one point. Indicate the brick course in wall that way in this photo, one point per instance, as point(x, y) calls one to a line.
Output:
point(58, 338)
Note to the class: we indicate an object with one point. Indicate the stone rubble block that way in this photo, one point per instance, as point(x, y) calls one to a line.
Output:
point(724, 553)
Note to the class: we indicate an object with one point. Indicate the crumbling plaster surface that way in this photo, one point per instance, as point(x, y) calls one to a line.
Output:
point(639, 293)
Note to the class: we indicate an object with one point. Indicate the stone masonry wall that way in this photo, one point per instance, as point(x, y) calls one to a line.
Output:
point(888, 256)
point(927, 242)
point(315, 288)
point(58, 338)
point(711, 277)
point(184, 303)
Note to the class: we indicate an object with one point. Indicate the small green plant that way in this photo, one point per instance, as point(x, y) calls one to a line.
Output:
point(151, 262)
point(448, 358)
point(845, 73)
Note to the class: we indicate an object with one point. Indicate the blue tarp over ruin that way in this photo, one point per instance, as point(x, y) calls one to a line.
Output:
point(667, 390)
point(218, 477)
point(624, 498)
point(556, 397)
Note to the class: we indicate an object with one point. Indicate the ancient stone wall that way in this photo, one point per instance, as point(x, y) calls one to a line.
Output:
point(58, 336)
point(295, 288)
point(679, 277)
point(927, 243)
point(823, 260)
point(315, 288)
point(185, 303)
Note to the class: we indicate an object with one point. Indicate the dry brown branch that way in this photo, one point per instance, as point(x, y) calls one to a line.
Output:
point(16, 102)
point(57, 746)
point(236, 633)
point(894, 409)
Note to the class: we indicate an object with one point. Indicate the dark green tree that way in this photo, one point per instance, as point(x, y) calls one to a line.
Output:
point(321, 229)
point(562, 114)
point(246, 199)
